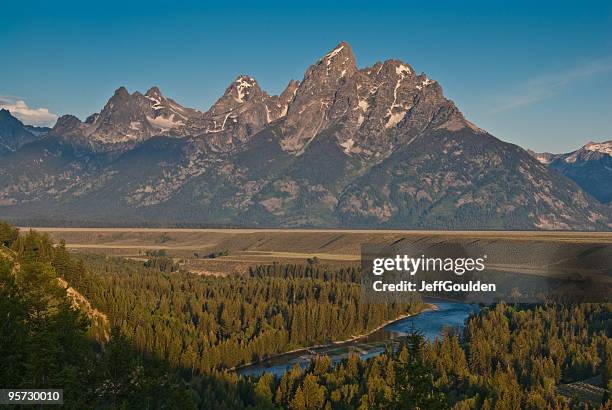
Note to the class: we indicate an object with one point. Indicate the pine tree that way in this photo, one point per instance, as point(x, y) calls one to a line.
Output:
point(263, 388)
point(314, 394)
point(299, 401)
point(413, 388)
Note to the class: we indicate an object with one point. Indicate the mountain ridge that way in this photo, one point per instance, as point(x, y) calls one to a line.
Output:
point(13, 133)
point(590, 166)
point(379, 146)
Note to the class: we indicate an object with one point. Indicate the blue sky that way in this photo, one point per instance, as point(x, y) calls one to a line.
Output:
point(535, 73)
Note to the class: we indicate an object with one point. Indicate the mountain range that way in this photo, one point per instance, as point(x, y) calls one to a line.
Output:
point(590, 167)
point(373, 147)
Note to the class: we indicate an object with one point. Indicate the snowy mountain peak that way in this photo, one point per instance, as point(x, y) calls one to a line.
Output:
point(243, 89)
point(592, 150)
point(602, 147)
point(590, 167)
point(589, 151)
point(245, 79)
point(376, 147)
point(126, 120)
point(341, 58)
point(243, 85)
point(337, 51)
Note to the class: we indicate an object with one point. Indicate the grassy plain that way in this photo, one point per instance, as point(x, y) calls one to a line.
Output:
point(247, 247)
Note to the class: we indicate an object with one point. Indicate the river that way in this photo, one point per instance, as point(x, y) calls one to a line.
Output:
point(430, 323)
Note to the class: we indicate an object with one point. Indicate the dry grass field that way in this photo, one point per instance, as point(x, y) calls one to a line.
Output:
point(246, 247)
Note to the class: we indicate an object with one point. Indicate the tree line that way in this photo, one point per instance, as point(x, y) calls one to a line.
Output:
point(175, 337)
point(507, 358)
point(45, 340)
point(214, 323)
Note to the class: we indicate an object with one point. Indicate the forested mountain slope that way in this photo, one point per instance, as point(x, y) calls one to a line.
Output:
point(47, 341)
point(176, 334)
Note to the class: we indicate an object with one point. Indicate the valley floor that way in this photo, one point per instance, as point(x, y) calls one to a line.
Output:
point(221, 251)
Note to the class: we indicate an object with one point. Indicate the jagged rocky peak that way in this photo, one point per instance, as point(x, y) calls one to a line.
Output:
point(66, 123)
point(601, 147)
point(154, 93)
point(243, 110)
point(123, 103)
point(407, 101)
point(590, 166)
point(328, 72)
point(592, 151)
point(242, 90)
point(315, 95)
point(168, 108)
point(5, 114)
point(383, 148)
point(126, 120)
point(390, 68)
point(13, 133)
point(589, 151)
point(245, 88)
point(371, 110)
point(8, 121)
point(9, 125)
point(338, 63)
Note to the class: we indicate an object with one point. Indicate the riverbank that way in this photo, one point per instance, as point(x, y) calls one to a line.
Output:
point(429, 321)
point(428, 307)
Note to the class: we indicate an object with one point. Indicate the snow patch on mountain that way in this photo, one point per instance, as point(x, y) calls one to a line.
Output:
point(603, 147)
point(328, 57)
point(242, 87)
point(165, 124)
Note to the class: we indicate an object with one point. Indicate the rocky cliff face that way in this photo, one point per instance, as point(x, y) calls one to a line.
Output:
point(379, 146)
point(242, 111)
point(373, 110)
point(126, 120)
